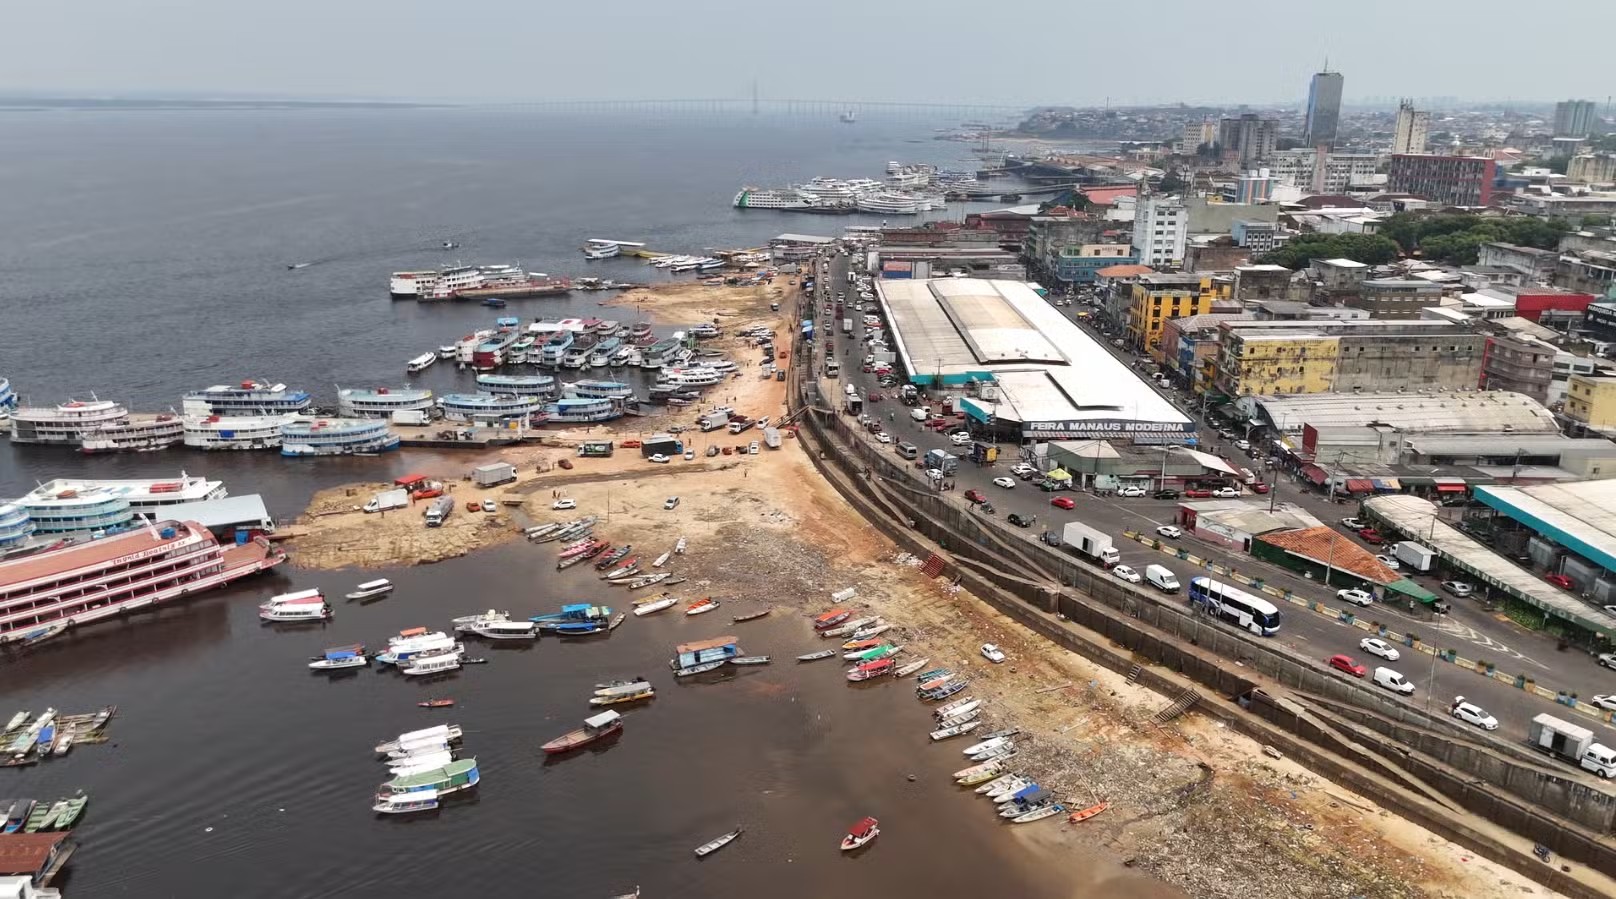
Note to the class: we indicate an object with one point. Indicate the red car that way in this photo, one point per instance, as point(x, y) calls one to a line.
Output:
point(1063, 502)
point(1560, 580)
point(975, 496)
point(1260, 487)
point(1347, 664)
point(1371, 536)
point(1197, 493)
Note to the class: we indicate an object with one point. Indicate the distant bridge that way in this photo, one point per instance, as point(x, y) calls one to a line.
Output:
point(749, 105)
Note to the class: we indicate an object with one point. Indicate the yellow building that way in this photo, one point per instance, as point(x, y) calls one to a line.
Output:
point(1270, 364)
point(1591, 399)
point(1159, 297)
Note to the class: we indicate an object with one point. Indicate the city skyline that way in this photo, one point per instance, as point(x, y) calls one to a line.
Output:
point(368, 49)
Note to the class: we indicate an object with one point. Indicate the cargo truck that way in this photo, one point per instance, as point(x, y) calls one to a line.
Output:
point(493, 473)
point(1415, 556)
point(1090, 543)
point(1573, 744)
point(739, 423)
point(942, 461)
point(712, 421)
point(417, 417)
point(847, 327)
point(771, 438)
point(439, 511)
point(397, 498)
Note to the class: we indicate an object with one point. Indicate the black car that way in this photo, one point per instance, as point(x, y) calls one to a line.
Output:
point(1021, 521)
point(1165, 494)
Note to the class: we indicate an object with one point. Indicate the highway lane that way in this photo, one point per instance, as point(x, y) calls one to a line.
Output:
point(1471, 629)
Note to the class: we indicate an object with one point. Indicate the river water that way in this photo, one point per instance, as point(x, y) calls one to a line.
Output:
point(146, 254)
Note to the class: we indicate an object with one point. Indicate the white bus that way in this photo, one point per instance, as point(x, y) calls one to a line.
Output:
point(1235, 606)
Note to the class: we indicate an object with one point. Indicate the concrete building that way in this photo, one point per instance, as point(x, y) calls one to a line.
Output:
point(1160, 297)
point(1195, 136)
point(1395, 298)
point(1334, 281)
point(1409, 133)
point(1040, 376)
point(1447, 412)
point(1334, 173)
point(1275, 357)
point(1190, 347)
point(1292, 311)
point(1248, 139)
point(1160, 228)
point(1534, 264)
point(1449, 180)
point(1519, 365)
point(1574, 118)
point(1592, 168)
point(1264, 282)
point(1567, 529)
point(1323, 109)
point(1254, 186)
point(1258, 237)
point(1590, 400)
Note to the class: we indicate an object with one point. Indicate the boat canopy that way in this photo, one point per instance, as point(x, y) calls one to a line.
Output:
point(863, 827)
point(412, 632)
point(833, 613)
point(375, 585)
point(602, 720)
point(297, 596)
point(714, 643)
point(340, 654)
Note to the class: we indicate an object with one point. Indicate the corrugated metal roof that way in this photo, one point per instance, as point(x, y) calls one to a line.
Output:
point(1412, 515)
point(1464, 411)
point(215, 513)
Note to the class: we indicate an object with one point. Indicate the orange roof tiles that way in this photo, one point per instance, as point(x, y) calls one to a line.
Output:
point(1345, 554)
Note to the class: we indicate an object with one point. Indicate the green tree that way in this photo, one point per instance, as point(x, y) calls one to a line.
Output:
point(1370, 249)
point(1171, 183)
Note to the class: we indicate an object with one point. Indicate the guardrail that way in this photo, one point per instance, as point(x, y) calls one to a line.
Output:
point(1522, 682)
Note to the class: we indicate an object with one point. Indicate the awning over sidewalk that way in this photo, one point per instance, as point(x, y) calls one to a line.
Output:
point(1210, 462)
point(1315, 474)
point(1450, 488)
point(1360, 485)
point(1386, 484)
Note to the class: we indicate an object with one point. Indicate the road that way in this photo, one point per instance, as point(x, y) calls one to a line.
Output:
point(1471, 628)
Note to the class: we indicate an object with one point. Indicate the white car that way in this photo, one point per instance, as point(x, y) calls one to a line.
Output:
point(992, 653)
point(1226, 493)
point(1006, 483)
point(1356, 597)
point(671, 502)
point(690, 455)
point(488, 505)
point(1378, 647)
point(1126, 573)
point(1170, 531)
point(1608, 659)
point(1132, 491)
point(934, 474)
point(1470, 713)
point(960, 438)
point(1605, 701)
point(568, 503)
point(1389, 562)
point(659, 458)
point(1023, 470)
point(883, 437)
point(1393, 681)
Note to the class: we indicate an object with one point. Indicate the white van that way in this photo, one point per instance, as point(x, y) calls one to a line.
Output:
point(1600, 759)
point(1393, 681)
point(1162, 579)
point(920, 413)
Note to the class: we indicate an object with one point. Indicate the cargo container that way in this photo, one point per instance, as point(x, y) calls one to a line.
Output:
point(1415, 556)
point(771, 438)
point(493, 473)
point(397, 498)
point(596, 449)
point(1090, 543)
point(1571, 743)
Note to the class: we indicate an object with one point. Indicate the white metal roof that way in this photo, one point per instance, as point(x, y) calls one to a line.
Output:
point(1417, 517)
point(1465, 411)
point(214, 513)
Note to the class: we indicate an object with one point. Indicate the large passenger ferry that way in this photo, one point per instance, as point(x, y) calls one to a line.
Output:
point(583, 410)
point(234, 432)
point(84, 582)
point(8, 397)
point(336, 437)
point(143, 432)
point(251, 398)
point(491, 353)
point(757, 198)
point(16, 527)
point(488, 406)
point(608, 390)
point(382, 402)
point(78, 505)
point(518, 385)
point(66, 424)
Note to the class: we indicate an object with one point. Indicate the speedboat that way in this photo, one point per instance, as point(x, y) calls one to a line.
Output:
point(861, 834)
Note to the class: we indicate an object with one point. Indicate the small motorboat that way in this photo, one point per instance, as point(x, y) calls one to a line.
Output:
point(633, 692)
point(861, 834)
point(16, 813)
point(879, 627)
point(831, 619)
point(436, 703)
point(370, 589)
point(911, 667)
point(705, 604)
point(338, 661)
point(406, 802)
point(961, 718)
point(1038, 814)
point(861, 645)
point(870, 670)
point(713, 845)
point(986, 745)
point(596, 728)
point(955, 730)
point(749, 660)
point(957, 707)
point(1085, 814)
point(751, 616)
point(662, 559)
point(815, 656)
point(655, 605)
point(998, 751)
point(703, 668)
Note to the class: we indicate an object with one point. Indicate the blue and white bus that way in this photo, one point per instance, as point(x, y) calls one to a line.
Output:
point(1235, 606)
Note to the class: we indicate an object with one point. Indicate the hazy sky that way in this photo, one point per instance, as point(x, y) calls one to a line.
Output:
point(1039, 51)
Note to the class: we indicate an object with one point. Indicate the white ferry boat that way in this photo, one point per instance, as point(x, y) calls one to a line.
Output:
point(16, 527)
point(490, 407)
point(893, 203)
point(698, 376)
point(79, 583)
point(336, 437)
point(382, 402)
point(76, 505)
point(142, 433)
point(517, 385)
point(234, 432)
point(554, 351)
point(575, 358)
point(250, 398)
point(8, 397)
point(789, 198)
point(447, 282)
point(408, 284)
point(423, 362)
point(657, 354)
point(603, 390)
point(494, 351)
point(829, 190)
point(601, 249)
point(446, 352)
point(65, 424)
point(569, 410)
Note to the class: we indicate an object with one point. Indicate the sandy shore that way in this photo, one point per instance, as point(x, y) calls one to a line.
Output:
point(1194, 806)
